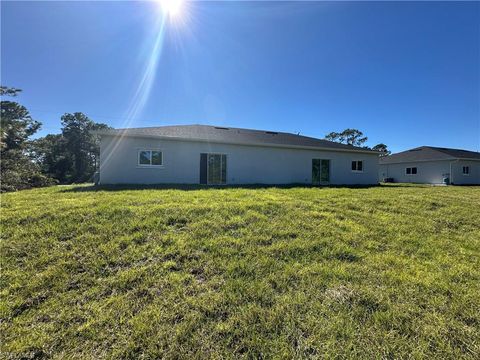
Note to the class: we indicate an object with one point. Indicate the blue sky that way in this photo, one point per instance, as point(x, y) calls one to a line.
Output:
point(406, 74)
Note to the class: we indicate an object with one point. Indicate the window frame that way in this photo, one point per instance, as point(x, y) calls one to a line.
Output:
point(151, 150)
point(356, 166)
point(468, 170)
point(411, 170)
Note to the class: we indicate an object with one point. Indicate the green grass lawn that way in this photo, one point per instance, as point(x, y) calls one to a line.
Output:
point(381, 272)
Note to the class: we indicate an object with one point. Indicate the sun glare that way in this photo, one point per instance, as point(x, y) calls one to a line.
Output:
point(172, 8)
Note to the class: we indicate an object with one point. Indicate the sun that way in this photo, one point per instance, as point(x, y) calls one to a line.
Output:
point(171, 8)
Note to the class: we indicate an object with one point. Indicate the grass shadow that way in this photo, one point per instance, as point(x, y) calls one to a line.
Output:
point(195, 187)
point(409, 185)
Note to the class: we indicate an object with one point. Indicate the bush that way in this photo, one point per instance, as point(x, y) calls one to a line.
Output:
point(22, 174)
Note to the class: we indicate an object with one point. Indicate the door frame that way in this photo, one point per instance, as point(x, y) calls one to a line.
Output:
point(320, 182)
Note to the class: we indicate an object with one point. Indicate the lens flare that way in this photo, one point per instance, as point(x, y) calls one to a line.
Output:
point(146, 81)
point(176, 15)
point(143, 87)
point(171, 8)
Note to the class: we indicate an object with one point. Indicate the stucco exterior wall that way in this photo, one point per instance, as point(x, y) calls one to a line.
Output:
point(432, 172)
point(473, 178)
point(245, 164)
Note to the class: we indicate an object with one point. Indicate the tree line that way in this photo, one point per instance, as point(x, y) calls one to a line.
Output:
point(355, 137)
point(73, 155)
point(65, 158)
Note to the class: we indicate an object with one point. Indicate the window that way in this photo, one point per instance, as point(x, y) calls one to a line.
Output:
point(357, 166)
point(466, 170)
point(150, 158)
point(411, 171)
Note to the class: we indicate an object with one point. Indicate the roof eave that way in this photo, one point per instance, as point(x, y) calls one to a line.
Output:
point(427, 160)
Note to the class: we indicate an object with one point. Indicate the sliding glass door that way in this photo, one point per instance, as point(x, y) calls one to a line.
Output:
point(320, 171)
point(217, 169)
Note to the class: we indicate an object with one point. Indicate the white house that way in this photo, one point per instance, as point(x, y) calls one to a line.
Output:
point(214, 155)
point(432, 165)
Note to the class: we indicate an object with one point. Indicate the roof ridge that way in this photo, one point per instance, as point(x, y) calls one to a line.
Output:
point(442, 149)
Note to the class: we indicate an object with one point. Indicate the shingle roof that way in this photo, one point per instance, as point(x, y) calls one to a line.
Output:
point(426, 153)
point(231, 135)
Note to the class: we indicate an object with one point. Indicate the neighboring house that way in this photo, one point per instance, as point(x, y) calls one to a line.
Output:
point(215, 155)
point(432, 165)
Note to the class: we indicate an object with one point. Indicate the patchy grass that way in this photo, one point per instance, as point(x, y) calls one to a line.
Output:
point(382, 272)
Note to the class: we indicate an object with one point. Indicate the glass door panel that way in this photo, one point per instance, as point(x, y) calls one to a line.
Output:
point(217, 169)
point(325, 171)
point(320, 171)
point(316, 171)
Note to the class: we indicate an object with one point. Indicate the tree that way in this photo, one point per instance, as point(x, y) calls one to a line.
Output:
point(9, 91)
point(16, 126)
point(51, 155)
point(335, 137)
point(17, 169)
point(352, 137)
point(71, 156)
point(382, 148)
point(81, 144)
